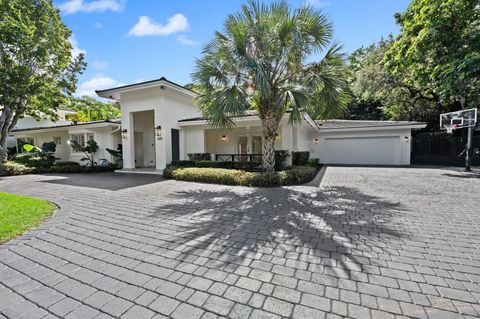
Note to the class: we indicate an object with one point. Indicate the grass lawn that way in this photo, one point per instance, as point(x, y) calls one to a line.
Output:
point(19, 214)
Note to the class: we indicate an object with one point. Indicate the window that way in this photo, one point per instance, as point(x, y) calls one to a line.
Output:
point(57, 140)
point(22, 141)
point(82, 138)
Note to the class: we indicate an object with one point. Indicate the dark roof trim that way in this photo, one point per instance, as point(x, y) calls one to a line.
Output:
point(143, 83)
point(67, 125)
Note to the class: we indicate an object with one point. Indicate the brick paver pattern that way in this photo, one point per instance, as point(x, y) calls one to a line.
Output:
point(368, 243)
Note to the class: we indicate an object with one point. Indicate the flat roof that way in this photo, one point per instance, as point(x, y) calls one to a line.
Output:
point(343, 124)
point(67, 125)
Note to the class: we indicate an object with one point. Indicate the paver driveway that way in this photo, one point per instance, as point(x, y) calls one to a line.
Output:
point(370, 242)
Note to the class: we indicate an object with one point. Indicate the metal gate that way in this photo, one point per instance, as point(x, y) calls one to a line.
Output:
point(443, 150)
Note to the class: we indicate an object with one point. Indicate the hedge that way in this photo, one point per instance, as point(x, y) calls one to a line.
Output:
point(294, 176)
point(249, 166)
point(300, 158)
point(13, 169)
point(199, 156)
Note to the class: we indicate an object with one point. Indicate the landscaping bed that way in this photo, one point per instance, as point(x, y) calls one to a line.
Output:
point(13, 169)
point(18, 214)
point(291, 176)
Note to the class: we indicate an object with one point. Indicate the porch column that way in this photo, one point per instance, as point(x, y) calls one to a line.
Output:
point(128, 143)
point(287, 142)
point(161, 145)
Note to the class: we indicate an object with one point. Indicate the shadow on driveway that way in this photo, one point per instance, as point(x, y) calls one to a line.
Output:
point(322, 223)
point(106, 181)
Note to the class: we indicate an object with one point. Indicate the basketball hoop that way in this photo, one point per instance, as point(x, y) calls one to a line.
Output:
point(449, 128)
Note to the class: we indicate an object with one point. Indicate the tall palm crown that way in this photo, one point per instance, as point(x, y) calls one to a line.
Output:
point(260, 62)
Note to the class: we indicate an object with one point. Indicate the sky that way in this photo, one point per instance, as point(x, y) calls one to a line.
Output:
point(130, 41)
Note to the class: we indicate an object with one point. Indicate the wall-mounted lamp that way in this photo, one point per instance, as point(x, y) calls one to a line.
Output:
point(158, 131)
point(316, 140)
point(224, 137)
point(277, 137)
point(406, 139)
point(124, 133)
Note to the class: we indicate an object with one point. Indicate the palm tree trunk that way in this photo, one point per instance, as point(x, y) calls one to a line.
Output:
point(270, 126)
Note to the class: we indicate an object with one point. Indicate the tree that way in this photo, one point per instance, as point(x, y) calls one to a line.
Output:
point(89, 109)
point(37, 69)
point(90, 149)
point(260, 62)
point(379, 94)
point(438, 50)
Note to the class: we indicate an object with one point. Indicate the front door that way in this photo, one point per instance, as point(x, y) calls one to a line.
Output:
point(138, 142)
point(175, 145)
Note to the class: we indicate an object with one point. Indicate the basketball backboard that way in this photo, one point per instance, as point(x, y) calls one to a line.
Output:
point(459, 119)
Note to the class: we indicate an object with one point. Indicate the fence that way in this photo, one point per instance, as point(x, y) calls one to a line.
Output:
point(444, 150)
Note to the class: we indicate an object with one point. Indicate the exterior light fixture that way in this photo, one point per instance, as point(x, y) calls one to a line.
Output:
point(158, 131)
point(277, 137)
point(124, 133)
point(316, 140)
point(406, 139)
point(224, 137)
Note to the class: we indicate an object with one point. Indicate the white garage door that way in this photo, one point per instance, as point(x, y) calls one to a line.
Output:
point(363, 150)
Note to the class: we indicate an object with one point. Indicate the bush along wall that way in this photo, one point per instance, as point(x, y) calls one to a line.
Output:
point(13, 169)
point(293, 176)
point(199, 156)
point(300, 158)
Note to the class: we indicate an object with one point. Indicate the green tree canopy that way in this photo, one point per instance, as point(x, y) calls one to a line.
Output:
point(438, 50)
point(90, 109)
point(37, 69)
point(260, 62)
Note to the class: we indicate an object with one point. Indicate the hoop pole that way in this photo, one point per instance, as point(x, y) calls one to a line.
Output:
point(468, 158)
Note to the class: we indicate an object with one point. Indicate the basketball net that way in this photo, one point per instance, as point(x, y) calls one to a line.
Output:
point(450, 128)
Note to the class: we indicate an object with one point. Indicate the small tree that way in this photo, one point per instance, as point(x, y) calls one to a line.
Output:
point(89, 150)
point(261, 62)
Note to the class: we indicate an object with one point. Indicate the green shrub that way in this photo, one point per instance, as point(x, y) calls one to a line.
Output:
point(300, 158)
point(183, 163)
point(12, 169)
point(295, 175)
point(313, 162)
point(280, 159)
point(214, 164)
point(200, 156)
point(66, 163)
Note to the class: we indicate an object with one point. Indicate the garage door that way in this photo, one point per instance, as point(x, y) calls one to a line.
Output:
point(363, 150)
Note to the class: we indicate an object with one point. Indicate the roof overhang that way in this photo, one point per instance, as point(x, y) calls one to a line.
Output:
point(115, 93)
point(50, 129)
point(372, 128)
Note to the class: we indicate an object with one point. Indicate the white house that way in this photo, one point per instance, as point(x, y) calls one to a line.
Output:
point(161, 123)
point(105, 133)
point(30, 122)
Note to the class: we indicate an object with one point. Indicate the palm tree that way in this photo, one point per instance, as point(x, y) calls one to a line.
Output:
point(260, 62)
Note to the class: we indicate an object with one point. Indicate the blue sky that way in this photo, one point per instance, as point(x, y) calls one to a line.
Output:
point(137, 40)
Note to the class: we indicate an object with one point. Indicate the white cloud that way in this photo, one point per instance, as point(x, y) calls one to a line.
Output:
point(98, 82)
point(74, 6)
point(75, 49)
point(146, 26)
point(100, 64)
point(186, 41)
point(317, 3)
point(98, 25)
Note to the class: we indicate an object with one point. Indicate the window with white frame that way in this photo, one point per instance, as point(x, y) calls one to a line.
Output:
point(81, 139)
point(22, 141)
point(57, 140)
